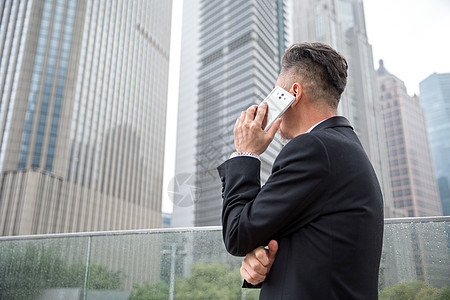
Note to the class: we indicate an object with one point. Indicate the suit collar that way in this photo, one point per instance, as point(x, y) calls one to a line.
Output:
point(336, 121)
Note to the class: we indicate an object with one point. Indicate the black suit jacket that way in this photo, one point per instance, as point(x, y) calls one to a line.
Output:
point(322, 203)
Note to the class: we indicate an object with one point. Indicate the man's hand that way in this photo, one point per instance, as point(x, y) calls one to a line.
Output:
point(249, 134)
point(256, 264)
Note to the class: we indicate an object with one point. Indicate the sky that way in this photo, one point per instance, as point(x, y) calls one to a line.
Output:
point(411, 36)
point(172, 103)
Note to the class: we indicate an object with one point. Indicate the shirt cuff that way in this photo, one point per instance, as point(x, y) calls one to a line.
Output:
point(247, 285)
point(248, 154)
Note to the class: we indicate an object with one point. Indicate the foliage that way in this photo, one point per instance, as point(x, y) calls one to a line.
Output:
point(100, 278)
point(443, 293)
point(207, 281)
point(213, 281)
point(25, 271)
point(157, 291)
point(210, 281)
point(414, 290)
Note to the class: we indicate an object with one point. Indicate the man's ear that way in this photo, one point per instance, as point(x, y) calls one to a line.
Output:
point(297, 90)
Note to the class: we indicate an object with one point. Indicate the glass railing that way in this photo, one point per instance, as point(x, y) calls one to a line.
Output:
point(192, 263)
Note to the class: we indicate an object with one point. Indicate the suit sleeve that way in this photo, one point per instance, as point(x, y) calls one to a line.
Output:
point(252, 215)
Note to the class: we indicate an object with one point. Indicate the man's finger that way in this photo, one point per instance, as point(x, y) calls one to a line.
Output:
point(242, 117)
point(251, 275)
point(250, 114)
point(248, 278)
point(265, 120)
point(254, 266)
point(261, 113)
point(273, 249)
point(238, 121)
point(262, 256)
point(274, 127)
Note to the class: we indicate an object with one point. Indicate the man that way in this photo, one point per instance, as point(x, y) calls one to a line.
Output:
point(320, 212)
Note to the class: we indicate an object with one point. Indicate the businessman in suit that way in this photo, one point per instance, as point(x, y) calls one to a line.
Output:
point(321, 210)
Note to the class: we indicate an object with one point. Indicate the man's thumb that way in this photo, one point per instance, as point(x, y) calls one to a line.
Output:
point(273, 249)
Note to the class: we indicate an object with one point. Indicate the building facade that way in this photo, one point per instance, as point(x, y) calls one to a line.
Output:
point(240, 47)
point(341, 24)
point(413, 181)
point(83, 108)
point(185, 160)
point(435, 99)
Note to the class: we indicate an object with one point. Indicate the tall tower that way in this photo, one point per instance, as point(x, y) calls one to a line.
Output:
point(435, 98)
point(239, 63)
point(341, 24)
point(184, 188)
point(414, 184)
point(83, 107)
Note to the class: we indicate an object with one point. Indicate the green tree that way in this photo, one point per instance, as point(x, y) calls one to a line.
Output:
point(157, 291)
point(25, 271)
point(216, 281)
point(426, 293)
point(100, 278)
point(414, 290)
point(212, 281)
point(403, 290)
point(443, 294)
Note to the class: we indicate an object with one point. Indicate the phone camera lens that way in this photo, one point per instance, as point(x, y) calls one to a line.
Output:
point(282, 94)
point(279, 97)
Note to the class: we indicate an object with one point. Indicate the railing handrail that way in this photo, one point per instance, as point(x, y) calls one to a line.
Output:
point(187, 229)
point(109, 233)
point(417, 220)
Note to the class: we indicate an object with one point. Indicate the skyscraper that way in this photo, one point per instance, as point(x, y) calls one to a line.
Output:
point(341, 24)
point(240, 47)
point(185, 162)
point(83, 108)
point(435, 99)
point(411, 168)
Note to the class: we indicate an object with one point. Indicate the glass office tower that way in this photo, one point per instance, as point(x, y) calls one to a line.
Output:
point(341, 24)
point(240, 47)
point(83, 108)
point(435, 99)
point(185, 162)
point(413, 181)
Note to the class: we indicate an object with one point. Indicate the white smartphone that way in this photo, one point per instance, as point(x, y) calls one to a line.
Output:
point(278, 101)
